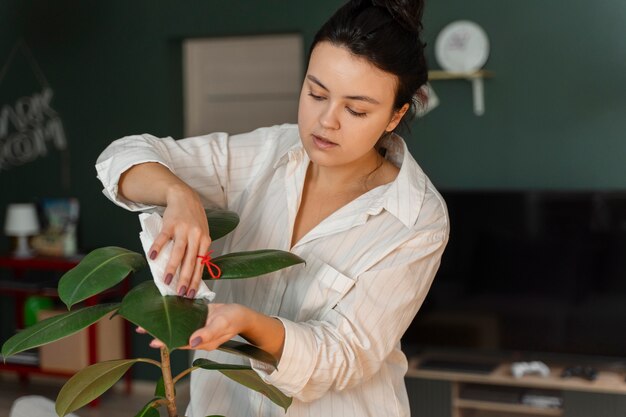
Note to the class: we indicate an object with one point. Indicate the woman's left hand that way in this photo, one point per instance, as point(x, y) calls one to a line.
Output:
point(224, 321)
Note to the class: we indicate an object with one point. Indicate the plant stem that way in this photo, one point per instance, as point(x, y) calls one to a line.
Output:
point(146, 360)
point(160, 402)
point(166, 370)
point(183, 373)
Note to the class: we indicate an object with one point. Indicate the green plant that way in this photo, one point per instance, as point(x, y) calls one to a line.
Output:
point(170, 319)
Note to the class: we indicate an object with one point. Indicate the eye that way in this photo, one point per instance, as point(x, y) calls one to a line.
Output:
point(355, 113)
point(315, 97)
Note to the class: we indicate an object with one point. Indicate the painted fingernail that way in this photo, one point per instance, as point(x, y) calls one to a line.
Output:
point(168, 279)
point(196, 341)
point(153, 254)
point(191, 293)
point(182, 290)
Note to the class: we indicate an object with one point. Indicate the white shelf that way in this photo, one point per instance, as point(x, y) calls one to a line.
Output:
point(476, 79)
point(607, 382)
point(503, 407)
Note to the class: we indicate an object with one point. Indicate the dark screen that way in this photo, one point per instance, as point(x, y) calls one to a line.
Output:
point(530, 272)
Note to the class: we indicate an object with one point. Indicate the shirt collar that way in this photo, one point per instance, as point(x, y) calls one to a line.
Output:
point(405, 194)
point(293, 152)
point(403, 197)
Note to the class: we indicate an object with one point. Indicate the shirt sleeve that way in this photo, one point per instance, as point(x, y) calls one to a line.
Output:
point(218, 166)
point(355, 337)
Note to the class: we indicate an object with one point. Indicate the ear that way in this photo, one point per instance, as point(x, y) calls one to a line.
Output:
point(397, 116)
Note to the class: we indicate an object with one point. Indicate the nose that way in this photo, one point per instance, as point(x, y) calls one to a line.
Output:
point(328, 118)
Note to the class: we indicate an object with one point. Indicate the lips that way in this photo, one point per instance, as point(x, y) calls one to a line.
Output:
point(323, 143)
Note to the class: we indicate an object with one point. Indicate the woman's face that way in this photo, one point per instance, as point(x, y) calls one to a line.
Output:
point(346, 104)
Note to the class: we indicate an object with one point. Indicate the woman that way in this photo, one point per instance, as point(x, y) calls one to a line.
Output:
point(340, 190)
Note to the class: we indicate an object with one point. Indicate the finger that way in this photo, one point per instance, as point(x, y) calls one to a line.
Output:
point(189, 263)
point(201, 335)
point(178, 250)
point(198, 337)
point(199, 343)
point(216, 327)
point(140, 330)
point(197, 273)
point(160, 241)
point(156, 343)
point(195, 280)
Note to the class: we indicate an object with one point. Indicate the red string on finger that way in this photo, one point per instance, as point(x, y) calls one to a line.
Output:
point(213, 269)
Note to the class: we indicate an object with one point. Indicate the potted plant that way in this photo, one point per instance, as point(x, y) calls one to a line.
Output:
point(171, 319)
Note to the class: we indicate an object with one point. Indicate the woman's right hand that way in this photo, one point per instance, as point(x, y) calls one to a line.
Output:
point(184, 222)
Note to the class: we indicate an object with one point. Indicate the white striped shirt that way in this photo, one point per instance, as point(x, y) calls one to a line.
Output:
point(368, 268)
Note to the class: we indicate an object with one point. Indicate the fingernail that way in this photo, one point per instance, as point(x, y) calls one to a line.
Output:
point(191, 293)
point(168, 279)
point(153, 254)
point(182, 290)
point(196, 341)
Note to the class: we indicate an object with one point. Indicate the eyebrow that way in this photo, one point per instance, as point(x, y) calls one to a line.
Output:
point(361, 98)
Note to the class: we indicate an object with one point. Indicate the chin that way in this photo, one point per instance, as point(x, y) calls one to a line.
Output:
point(320, 158)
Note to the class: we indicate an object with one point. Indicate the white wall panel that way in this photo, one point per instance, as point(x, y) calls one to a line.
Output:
point(238, 84)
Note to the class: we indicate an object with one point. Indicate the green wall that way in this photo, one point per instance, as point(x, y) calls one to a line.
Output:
point(115, 70)
point(554, 110)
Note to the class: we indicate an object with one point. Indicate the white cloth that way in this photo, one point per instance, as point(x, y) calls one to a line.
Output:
point(34, 406)
point(369, 267)
point(151, 225)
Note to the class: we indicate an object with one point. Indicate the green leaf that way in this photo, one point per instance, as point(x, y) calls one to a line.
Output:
point(55, 328)
point(159, 390)
point(249, 351)
point(89, 383)
point(149, 410)
point(221, 222)
point(254, 263)
point(99, 270)
point(171, 319)
point(214, 366)
point(246, 376)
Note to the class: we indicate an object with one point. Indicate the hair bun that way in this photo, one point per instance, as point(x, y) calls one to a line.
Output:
point(408, 13)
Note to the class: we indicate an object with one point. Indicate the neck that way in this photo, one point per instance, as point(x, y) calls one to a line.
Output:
point(352, 176)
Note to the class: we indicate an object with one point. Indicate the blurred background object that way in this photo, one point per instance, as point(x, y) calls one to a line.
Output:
point(21, 222)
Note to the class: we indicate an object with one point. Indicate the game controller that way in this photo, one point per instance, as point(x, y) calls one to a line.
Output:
point(519, 369)
point(586, 372)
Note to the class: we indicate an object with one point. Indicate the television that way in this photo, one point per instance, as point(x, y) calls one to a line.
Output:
point(529, 274)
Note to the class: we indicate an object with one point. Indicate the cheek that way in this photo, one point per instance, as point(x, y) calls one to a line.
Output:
point(302, 110)
point(369, 128)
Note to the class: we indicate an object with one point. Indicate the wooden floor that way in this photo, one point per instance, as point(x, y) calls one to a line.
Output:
point(114, 403)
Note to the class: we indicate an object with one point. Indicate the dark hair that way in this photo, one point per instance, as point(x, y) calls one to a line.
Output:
point(387, 34)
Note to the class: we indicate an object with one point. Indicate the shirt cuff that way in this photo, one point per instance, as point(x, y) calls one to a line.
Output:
point(297, 361)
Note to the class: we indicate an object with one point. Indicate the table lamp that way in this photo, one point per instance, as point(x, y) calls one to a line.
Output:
point(21, 222)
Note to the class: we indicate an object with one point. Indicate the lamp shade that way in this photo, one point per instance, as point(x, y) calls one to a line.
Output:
point(21, 220)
